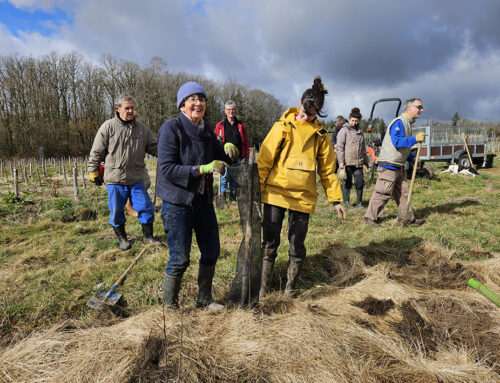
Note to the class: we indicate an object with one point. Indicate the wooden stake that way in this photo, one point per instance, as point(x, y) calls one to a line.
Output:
point(75, 181)
point(26, 179)
point(39, 179)
point(16, 184)
point(83, 177)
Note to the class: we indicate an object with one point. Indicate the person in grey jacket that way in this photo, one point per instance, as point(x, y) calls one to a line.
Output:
point(351, 152)
point(121, 143)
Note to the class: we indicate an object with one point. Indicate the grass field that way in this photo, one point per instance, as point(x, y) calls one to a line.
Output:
point(55, 249)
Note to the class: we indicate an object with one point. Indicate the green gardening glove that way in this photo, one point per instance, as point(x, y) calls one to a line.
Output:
point(214, 166)
point(232, 151)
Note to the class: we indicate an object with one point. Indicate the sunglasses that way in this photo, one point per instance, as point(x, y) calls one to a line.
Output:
point(419, 107)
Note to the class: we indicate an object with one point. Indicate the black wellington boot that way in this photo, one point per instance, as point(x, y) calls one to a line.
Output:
point(171, 288)
point(359, 193)
point(294, 267)
point(147, 234)
point(346, 194)
point(122, 237)
point(268, 257)
point(205, 299)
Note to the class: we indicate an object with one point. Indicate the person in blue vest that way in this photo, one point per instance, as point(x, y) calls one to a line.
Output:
point(392, 179)
point(188, 153)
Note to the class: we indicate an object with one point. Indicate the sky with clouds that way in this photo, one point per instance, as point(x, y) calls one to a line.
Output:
point(446, 52)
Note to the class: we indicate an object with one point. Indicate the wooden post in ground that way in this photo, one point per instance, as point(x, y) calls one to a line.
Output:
point(64, 175)
point(44, 167)
point(26, 179)
point(1, 168)
point(75, 181)
point(83, 177)
point(31, 169)
point(60, 166)
point(16, 184)
point(11, 170)
point(39, 179)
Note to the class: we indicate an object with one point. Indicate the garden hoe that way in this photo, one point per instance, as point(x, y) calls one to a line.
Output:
point(405, 214)
point(101, 299)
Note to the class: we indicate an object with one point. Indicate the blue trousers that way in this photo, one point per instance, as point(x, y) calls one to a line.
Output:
point(117, 198)
point(226, 180)
point(179, 223)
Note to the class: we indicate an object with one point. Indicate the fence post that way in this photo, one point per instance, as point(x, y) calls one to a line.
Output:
point(44, 167)
point(16, 185)
point(26, 175)
point(39, 179)
point(83, 176)
point(64, 175)
point(75, 181)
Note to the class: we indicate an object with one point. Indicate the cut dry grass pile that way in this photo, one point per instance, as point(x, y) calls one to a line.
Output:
point(370, 324)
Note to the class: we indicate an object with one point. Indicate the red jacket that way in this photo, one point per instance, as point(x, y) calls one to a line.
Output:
point(245, 146)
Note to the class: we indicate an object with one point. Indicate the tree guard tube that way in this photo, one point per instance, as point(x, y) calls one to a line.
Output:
point(476, 285)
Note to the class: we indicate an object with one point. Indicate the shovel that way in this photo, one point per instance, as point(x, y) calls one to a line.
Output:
point(472, 166)
point(405, 215)
point(102, 299)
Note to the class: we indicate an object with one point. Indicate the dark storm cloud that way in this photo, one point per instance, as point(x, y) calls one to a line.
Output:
point(447, 51)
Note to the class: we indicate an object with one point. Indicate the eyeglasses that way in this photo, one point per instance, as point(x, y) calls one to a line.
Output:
point(194, 100)
point(419, 107)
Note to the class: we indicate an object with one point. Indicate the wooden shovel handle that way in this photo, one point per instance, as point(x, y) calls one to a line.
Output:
point(467, 148)
point(412, 182)
point(124, 275)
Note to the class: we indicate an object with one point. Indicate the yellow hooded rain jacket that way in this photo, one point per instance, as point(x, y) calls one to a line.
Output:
point(287, 164)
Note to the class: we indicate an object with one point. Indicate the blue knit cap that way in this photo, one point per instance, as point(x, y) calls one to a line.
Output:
point(187, 90)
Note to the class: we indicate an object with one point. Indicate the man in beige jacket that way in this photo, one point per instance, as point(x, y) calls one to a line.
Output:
point(121, 143)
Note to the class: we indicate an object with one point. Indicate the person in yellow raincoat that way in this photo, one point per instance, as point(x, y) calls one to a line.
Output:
point(295, 149)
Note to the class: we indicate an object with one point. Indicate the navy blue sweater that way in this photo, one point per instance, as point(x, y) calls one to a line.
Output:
point(182, 145)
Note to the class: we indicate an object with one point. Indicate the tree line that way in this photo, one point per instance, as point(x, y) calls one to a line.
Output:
point(56, 103)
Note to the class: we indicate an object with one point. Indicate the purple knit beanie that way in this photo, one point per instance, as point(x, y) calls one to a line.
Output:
point(188, 89)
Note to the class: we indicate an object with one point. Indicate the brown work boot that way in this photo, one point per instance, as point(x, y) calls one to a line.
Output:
point(370, 222)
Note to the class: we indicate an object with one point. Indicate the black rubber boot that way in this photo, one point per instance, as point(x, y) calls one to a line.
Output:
point(266, 275)
point(232, 195)
point(346, 194)
point(294, 267)
point(122, 237)
point(171, 288)
point(359, 193)
point(147, 234)
point(205, 299)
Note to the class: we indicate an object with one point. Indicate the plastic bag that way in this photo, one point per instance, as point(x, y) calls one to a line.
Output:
point(341, 175)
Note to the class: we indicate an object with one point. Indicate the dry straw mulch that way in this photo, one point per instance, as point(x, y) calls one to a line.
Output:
point(413, 321)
